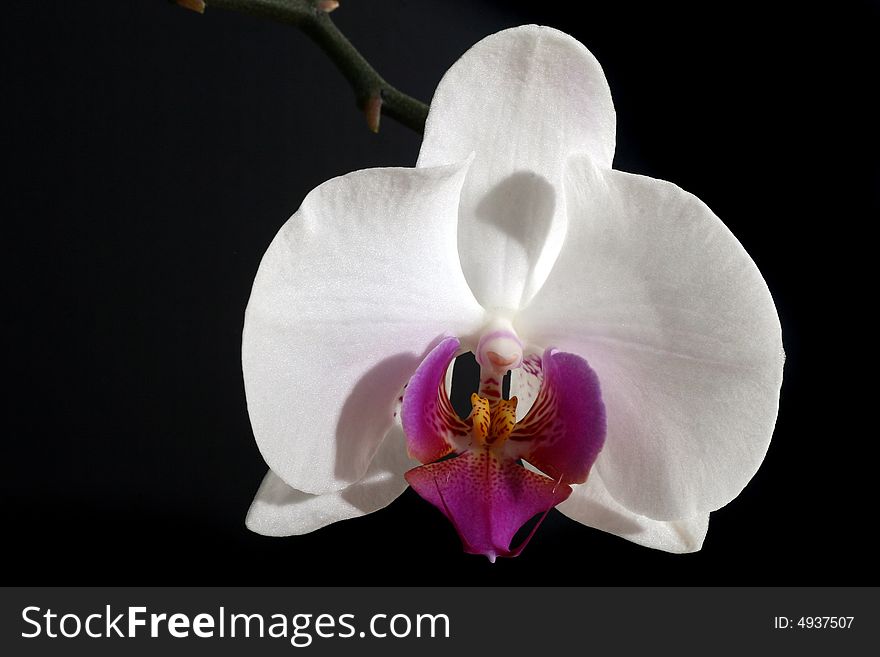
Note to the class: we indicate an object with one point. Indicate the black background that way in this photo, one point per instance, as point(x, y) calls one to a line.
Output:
point(151, 154)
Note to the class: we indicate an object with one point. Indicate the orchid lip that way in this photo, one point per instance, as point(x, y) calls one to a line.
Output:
point(483, 489)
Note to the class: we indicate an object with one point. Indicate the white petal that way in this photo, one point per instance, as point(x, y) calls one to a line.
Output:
point(279, 510)
point(521, 100)
point(592, 505)
point(675, 318)
point(356, 287)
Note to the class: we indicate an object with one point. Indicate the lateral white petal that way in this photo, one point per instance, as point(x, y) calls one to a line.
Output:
point(522, 100)
point(279, 510)
point(592, 505)
point(679, 325)
point(356, 287)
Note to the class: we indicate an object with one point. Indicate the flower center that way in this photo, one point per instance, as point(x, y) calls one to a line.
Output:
point(492, 422)
point(498, 351)
point(484, 487)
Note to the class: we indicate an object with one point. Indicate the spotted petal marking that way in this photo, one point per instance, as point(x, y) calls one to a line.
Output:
point(484, 491)
point(564, 430)
point(432, 426)
point(487, 498)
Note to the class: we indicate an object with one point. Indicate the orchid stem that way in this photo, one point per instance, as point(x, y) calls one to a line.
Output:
point(373, 95)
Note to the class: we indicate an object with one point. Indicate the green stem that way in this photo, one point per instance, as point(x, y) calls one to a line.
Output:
point(371, 90)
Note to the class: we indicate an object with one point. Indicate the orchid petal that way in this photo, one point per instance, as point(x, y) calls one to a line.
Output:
point(352, 292)
point(681, 329)
point(279, 510)
point(431, 424)
point(522, 100)
point(486, 498)
point(565, 428)
point(525, 383)
point(592, 505)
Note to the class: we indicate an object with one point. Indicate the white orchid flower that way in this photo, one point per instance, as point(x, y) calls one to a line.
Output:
point(644, 345)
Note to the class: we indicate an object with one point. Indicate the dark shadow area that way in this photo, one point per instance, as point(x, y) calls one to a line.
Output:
point(521, 206)
point(367, 407)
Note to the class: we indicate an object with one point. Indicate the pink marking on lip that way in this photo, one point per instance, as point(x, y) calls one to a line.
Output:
point(487, 498)
point(484, 490)
point(564, 431)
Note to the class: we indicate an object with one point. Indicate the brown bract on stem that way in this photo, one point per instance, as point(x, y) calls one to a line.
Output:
point(373, 95)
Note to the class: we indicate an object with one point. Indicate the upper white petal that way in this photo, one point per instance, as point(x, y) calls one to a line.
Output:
point(678, 323)
point(352, 292)
point(279, 510)
point(521, 100)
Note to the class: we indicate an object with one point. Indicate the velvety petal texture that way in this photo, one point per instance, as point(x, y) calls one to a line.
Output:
point(521, 100)
point(677, 322)
point(431, 425)
point(353, 292)
point(279, 510)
